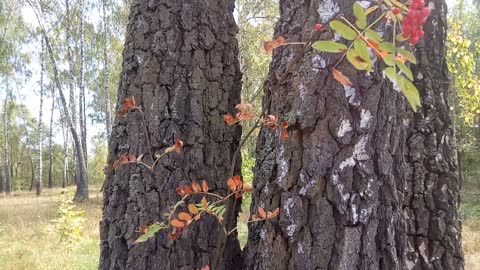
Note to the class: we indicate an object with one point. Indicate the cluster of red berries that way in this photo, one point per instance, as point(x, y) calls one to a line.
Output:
point(412, 23)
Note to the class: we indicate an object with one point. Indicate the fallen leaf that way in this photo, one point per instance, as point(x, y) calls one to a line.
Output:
point(341, 78)
point(231, 185)
point(261, 213)
point(204, 186)
point(196, 187)
point(184, 190)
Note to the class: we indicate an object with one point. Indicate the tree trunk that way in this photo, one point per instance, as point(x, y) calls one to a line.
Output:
point(40, 123)
point(50, 150)
point(343, 178)
point(8, 180)
point(106, 78)
point(65, 153)
point(180, 64)
point(81, 79)
point(432, 192)
point(32, 173)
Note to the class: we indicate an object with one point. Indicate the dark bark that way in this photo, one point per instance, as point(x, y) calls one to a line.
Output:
point(180, 65)
point(342, 179)
point(432, 194)
point(32, 173)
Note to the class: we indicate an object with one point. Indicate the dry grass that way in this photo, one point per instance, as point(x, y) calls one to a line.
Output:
point(28, 239)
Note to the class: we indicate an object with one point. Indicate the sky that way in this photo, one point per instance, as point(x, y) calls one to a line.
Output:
point(29, 94)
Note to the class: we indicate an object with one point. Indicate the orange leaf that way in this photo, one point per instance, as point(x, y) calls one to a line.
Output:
point(204, 186)
point(177, 223)
point(177, 147)
point(276, 212)
point(184, 216)
point(231, 185)
point(238, 182)
point(255, 217)
point(261, 213)
point(284, 133)
point(204, 204)
point(197, 217)
point(193, 209)
point(341, 78)
point(196, 187)
point(401, 59)
point(184, 190)
point(270, 45)
point(132, 158)
point(123, 158)
point(271, 121)
point(128, 103)
point(229, 119)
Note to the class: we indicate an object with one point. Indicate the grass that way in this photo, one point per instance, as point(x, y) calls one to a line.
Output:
point(29, 239)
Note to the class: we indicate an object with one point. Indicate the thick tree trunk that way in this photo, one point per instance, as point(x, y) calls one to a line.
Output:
point(432, 192)
point(180, 65)
point(39, 128)
point(342, 179)
point(81, 79)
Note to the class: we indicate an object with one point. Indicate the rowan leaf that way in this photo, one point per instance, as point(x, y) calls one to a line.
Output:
point(387, 46)
point(183, 190)
point(196, 187)
point(262, 213)
point(338, 75)
point(231, 185)
point(389, 60)
point(204, 186)
point(373, 35)
point(193, 209)
point(356, 60)
point(204, 204)
point(184, 216)
point(390, 73)
point(410, 57)
point(409, 91)
point(150, 232)
point(344, 30)
point(360, 16)
point(329, 46)
point(238, 181)
point(405, 70)
point(371, 9)
point(177, 223)
point(362, 50)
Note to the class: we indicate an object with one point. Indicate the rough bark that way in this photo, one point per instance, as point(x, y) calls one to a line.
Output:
point(432, 192)
point(342, 178)
point(180, 65)
point(39, 128)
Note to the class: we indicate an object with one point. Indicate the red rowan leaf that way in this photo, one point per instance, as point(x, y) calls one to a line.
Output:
point(196, 187)
point(261, 213)
point(204, 186)
point(184, 216)
point(231, 185)
point(177, 147)
point(197, 217)
point(177, 223)
point(271, 121)
point(284, 133)
point(276, 212)
point(341, 78)
point(182, 190)
point(238, 182)
point(132, 158)
point(255, 217)
point(123, 158)
point(229, 119)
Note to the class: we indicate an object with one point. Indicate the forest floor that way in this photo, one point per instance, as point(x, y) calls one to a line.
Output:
point(29, 240)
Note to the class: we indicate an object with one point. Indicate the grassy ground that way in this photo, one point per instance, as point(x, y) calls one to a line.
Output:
point(29, 239)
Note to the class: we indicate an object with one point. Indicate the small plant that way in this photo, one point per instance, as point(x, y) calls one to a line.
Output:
point(69, 221)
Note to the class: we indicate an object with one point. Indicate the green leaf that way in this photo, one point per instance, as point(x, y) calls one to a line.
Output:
point(409, 91)
point(389, 60)
point(354, 58)
point(344, 30)
point(386, 46)
point(362, 51)
point(410, 57)
point(370, 34)
point(152, 229)
point(329, 46)
point(390, 73)
point(400, 37)
point(405, 70)
point(360, 16)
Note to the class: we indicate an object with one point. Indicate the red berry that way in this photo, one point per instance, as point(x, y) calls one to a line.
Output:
point(414, 40)
point(405, 35)
point(318, 26)
point(395, 11)
point(421, 33)
point(425, 12)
